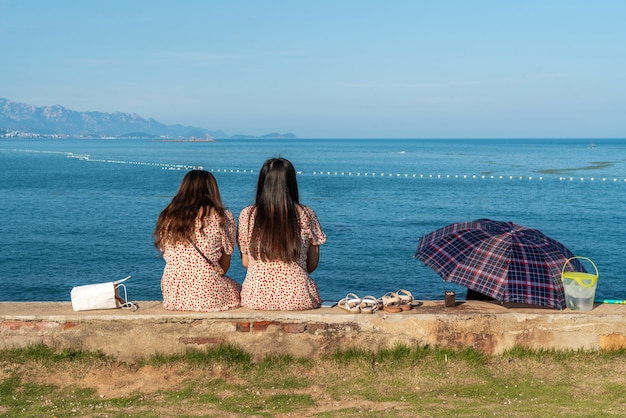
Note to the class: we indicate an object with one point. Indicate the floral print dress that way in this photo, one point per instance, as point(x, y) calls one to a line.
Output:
point(278, 285)
point(189, 282)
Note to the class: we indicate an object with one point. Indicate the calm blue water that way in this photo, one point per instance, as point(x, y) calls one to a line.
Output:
point(70, 221)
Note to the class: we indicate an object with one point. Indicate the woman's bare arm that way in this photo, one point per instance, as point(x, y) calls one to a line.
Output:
point(312, 258)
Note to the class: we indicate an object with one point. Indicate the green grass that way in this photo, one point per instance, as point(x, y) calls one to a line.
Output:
point(402, 381)
point(228, 354)
point(44, 354)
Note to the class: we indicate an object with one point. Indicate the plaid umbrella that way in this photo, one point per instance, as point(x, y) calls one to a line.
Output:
point(503, 260)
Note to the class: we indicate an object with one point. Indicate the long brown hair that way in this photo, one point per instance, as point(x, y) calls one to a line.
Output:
point(198, 194)
point(276, 232)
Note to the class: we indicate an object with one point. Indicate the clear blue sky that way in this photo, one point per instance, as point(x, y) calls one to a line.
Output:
point(328, 68)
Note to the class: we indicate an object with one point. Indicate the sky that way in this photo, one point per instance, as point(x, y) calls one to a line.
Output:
point(328, 68)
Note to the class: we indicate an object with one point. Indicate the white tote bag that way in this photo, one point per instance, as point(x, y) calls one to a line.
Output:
point(98, 296)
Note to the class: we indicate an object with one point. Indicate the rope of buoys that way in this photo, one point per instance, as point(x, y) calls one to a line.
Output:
point(465, 176)
point(327, 173)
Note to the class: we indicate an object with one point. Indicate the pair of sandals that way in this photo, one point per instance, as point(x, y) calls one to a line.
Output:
point(392, 302)
point(354, 304)
point(395, 302)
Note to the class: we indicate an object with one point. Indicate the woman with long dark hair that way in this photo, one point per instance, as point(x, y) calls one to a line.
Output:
point(195, 233)
point(279, 240)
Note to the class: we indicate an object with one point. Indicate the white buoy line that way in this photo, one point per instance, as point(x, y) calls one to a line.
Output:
point(465, 176)
point(327, 173)
point(164, 166)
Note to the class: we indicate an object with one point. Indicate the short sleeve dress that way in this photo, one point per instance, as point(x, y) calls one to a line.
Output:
point(189, 283)
point(278, 285)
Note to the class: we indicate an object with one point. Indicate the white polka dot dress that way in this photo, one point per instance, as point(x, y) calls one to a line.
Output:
point(189, 283)
point(278, 285)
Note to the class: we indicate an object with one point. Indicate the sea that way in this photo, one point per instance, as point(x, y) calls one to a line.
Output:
point(82, 211)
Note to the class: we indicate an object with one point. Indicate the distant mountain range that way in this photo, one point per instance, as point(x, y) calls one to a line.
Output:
point(24, 120)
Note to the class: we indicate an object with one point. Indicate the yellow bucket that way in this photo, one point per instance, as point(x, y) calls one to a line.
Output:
point(579, 287)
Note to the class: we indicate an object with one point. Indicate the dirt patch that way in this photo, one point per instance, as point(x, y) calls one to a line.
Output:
point(119, 379)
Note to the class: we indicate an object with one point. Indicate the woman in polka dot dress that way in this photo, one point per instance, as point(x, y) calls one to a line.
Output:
point(196, 215)
point(279, 241)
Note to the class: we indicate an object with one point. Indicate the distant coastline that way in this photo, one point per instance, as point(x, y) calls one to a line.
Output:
point(21, 120)
point(188, 140)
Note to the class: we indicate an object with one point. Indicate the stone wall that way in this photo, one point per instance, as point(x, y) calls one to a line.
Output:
point(130, 336)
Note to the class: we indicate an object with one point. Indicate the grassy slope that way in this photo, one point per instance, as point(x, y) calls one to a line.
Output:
point(402, 382)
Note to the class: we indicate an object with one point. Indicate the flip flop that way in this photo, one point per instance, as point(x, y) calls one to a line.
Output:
point(351, 303)
point(369, 304)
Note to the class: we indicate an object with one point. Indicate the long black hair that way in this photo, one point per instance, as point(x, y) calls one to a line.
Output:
point(198, 194)
point(276, 232)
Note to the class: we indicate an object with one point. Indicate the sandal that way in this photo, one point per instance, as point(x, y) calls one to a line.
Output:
point(391, 302)
point(404, 295)
point(351, 303)
point(405, 299)
point(369, 304)
point(392, 309)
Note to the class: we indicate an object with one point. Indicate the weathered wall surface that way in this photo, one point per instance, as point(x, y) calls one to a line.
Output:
point(150, 330)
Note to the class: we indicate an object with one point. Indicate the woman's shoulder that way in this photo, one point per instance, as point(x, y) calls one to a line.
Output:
point(246, 211)
point(229, 215)
point(304, 210)
point(249, 207)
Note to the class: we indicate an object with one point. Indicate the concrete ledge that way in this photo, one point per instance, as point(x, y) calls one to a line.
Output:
point(130, 336)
